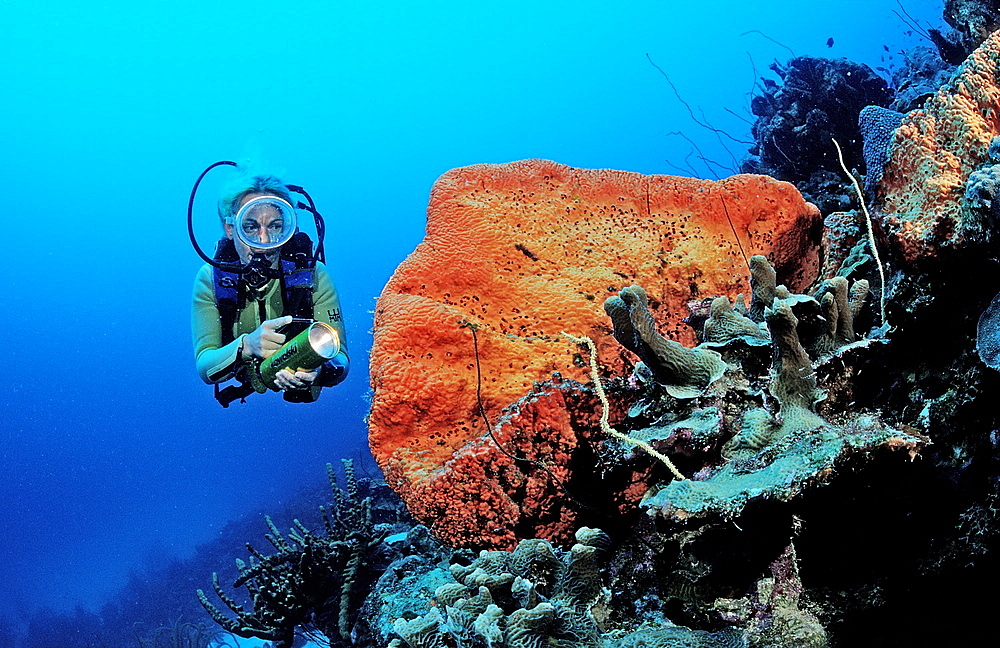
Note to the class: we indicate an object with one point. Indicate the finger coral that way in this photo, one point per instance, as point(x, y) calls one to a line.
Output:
point(725, 323)
point(468, 331)
point(784, 446)
point(684, 372)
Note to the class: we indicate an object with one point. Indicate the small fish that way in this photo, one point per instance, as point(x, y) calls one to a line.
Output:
point(829, 42)
point(885, 47)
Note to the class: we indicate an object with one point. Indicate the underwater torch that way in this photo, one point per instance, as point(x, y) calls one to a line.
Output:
point(309, 349)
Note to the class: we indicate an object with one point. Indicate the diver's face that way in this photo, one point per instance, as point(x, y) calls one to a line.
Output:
point(264, 224)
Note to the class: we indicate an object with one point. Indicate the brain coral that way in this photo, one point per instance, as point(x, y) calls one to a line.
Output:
point(934, 152)
point(522, 252)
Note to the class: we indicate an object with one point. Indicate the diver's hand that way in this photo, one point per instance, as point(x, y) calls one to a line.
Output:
point(264, 341)
point(285, 379)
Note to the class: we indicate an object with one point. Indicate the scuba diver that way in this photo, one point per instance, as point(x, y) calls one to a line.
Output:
point(266, 293)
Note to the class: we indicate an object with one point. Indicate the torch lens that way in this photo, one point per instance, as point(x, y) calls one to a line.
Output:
point(324, 340)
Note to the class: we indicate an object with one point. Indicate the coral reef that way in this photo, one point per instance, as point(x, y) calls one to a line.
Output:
point(936, 231)
point(777, 452)
point(796, 428)
point(932, 157)
point(923, 72)
point(747, 550)
point(817, 100)
point(314, 580)
point(973, 22)
point(406, 585)
point(534, 595)
point(478, 434)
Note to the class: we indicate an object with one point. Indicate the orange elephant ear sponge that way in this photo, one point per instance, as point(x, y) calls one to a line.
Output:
point(924, 188)
point(524, 252)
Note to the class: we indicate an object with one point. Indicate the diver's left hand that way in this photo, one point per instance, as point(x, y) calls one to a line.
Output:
point(285, 379)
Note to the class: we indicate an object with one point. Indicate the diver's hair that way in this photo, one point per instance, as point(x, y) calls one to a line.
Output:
point(247, 181)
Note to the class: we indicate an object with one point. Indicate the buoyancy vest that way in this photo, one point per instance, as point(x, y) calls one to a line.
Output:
point(298, 266)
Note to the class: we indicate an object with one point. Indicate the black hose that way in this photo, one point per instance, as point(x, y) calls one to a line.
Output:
point(228, 267)
point(317, 220)
point(320, 254)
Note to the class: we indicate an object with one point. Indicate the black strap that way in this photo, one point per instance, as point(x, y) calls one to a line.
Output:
point(230, 297)
point(227, 395)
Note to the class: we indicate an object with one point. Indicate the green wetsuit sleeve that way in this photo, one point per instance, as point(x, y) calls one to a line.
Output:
point(215, 363)
point(326, 308)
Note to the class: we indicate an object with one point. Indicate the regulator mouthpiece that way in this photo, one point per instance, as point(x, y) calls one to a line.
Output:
point(307, 350)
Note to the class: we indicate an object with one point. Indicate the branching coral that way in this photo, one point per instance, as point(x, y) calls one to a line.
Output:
point(782, 443)
point(684, 372)
point(310, 578)
point(725, 323)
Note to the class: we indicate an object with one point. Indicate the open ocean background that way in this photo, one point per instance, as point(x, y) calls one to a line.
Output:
point(113, 454)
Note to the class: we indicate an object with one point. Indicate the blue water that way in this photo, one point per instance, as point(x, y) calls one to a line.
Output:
point(110, 446)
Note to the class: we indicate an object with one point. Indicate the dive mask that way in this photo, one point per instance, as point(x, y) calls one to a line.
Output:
point(265, 223)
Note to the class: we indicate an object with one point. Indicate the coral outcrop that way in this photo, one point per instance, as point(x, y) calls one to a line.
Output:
point(315, 581)
point(535, 595)
point(922, 73)
point(782, 444)
point(973, 21)
point(811, 395)
point(471, 374)
point(934, 153)
point(772, 614)
point(816, 100)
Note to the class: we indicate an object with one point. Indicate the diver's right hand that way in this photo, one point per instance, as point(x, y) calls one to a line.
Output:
point(264, 341)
